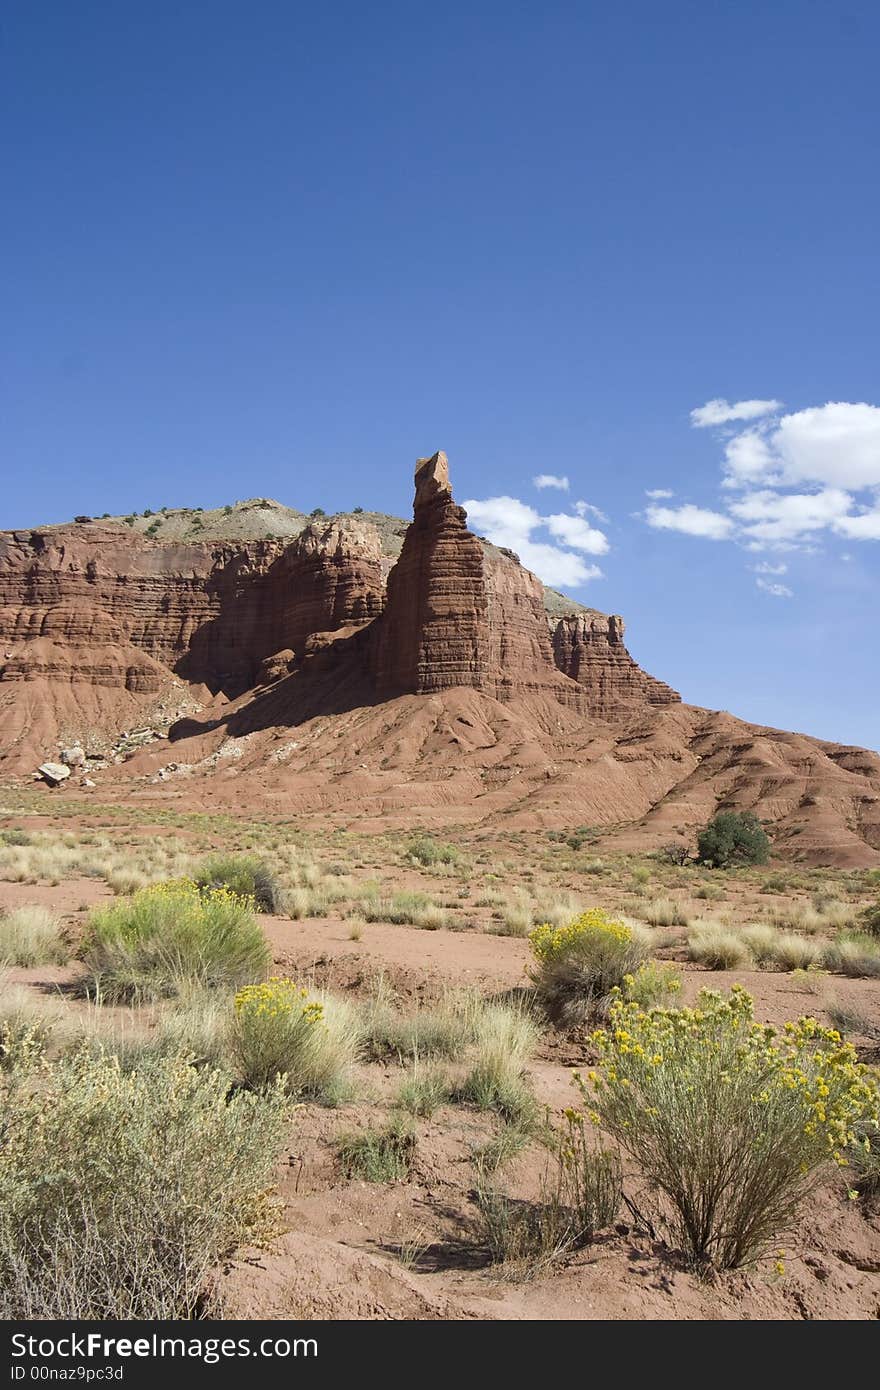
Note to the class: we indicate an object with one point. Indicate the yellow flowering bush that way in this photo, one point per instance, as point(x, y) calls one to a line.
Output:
point(653, 984)
point(577, 965)
point(280, 1030)
point(171, 935)
point(729, 1119)
point(243, 874)
point(550, 943)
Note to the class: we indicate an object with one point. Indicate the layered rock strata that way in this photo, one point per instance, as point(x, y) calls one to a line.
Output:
point(460, 613)
point(92, 605)
point(589, 648)
point(118, 611)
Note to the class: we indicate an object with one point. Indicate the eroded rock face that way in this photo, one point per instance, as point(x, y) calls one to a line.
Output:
point(329, 577)
point(124, 612)
point(103, 608)
point(434, 633)
point(589, 648)
point(460, 613)
point(118, 613)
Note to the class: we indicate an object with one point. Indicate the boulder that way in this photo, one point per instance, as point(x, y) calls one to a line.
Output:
point(54, 773)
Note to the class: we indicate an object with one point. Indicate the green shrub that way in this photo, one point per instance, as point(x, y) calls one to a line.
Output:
point(120, 1191)
point(244, 875)
point(729, 1120)
point(580, 1195)
point(665, 912)
point(504, 1039)
point(869, 919)
point(731, 838)
point(279, 1030)
point(170, 936)
point(718, 948)
point(16, 838)
point(578, 965)
point(652, 985)
point(424, 1089)
point(854, 955)
point(31, 936)
point(428, 852)
point(378, 1155)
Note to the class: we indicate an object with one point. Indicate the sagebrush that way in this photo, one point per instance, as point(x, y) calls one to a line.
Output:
point(121, 1190)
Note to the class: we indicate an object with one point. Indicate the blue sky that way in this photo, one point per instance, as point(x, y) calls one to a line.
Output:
point(282, 250)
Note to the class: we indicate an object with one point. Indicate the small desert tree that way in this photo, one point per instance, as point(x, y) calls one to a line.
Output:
point(731, 838)
point(677, 852)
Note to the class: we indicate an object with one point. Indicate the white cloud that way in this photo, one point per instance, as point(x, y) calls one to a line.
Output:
point(574, 531)
point(658, 493)
point(863, 527)
point(587, 509)
point(833, 445)
point(508, 522)
point(766, 568)
point(721, 412)
point(777, 590)
point(542, 480)
point(506, 517)
point(692, 521)
point(748, 458)
point(836, 444)
point(774, 516)
point(793, 476)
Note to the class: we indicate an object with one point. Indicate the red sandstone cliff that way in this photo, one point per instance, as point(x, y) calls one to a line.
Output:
point(460, 613)
point(93, 606)
point(589, 648)
point(485, 705)
point(97, 607)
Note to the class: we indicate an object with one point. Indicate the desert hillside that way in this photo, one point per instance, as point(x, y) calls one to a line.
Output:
point(361, 670)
